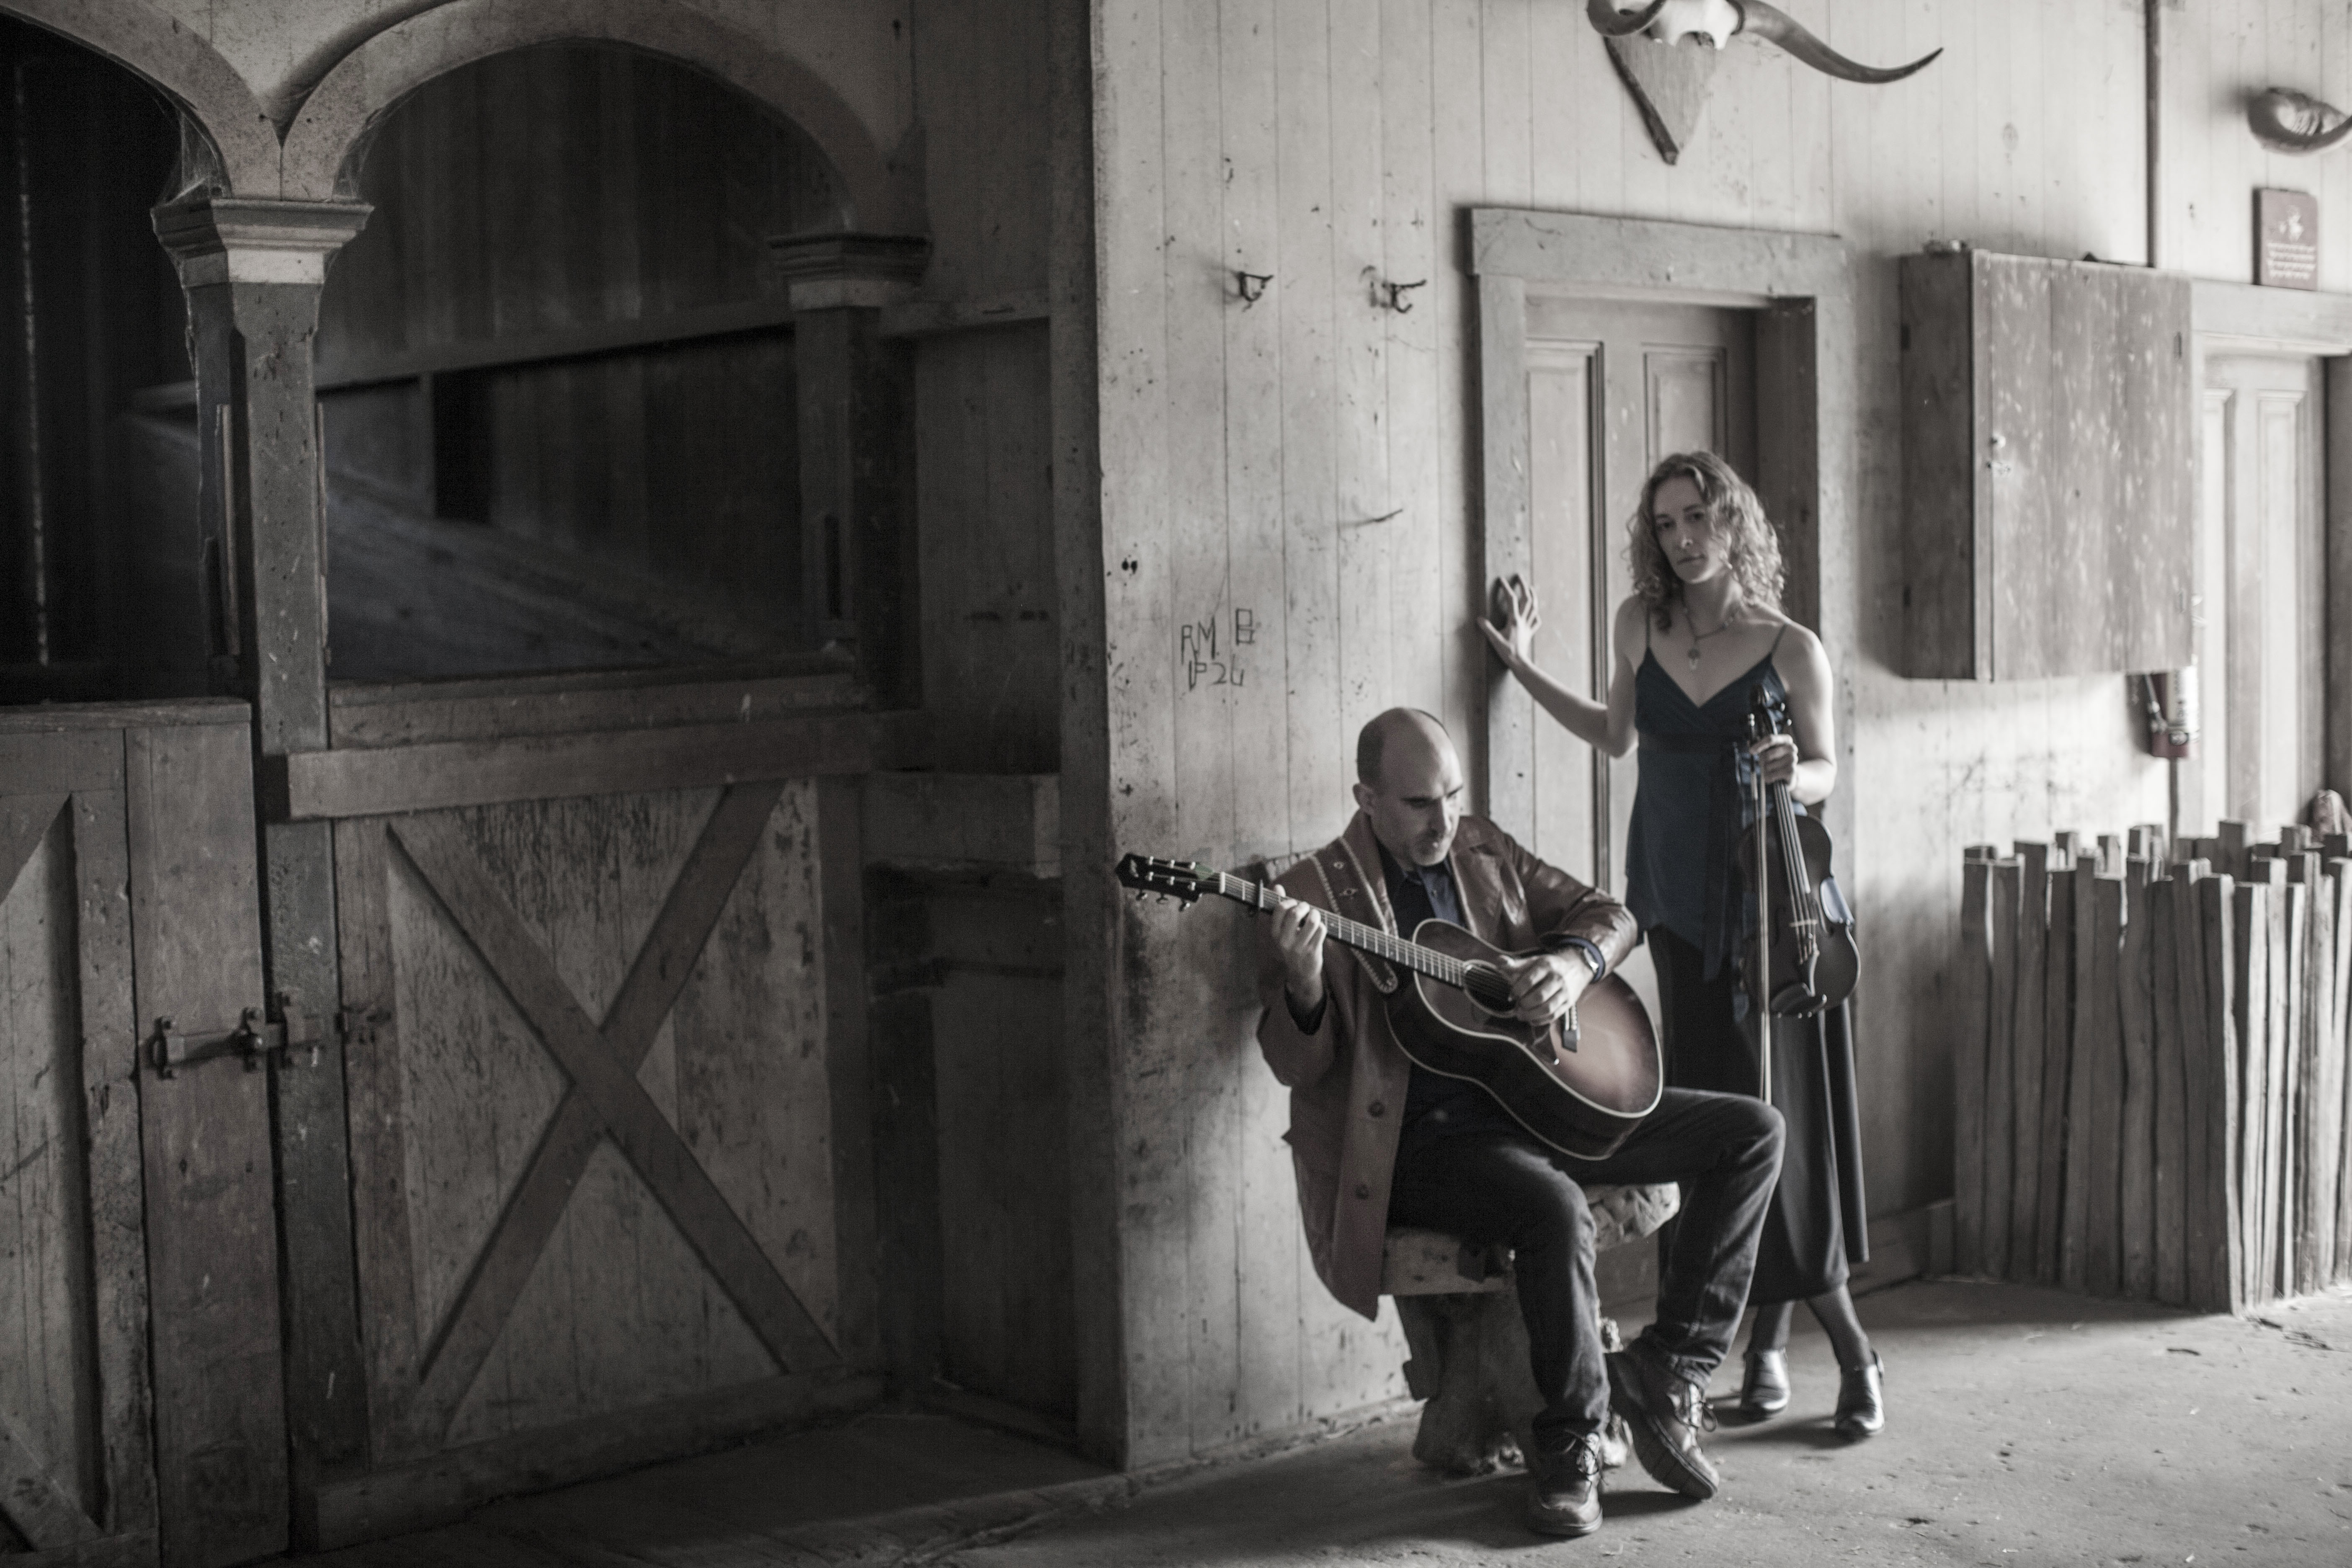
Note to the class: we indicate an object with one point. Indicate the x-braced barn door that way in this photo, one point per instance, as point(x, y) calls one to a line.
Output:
point(138, 1237)
point(592, 1104)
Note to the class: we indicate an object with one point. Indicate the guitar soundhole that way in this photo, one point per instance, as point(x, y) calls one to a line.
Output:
point(1487, 987)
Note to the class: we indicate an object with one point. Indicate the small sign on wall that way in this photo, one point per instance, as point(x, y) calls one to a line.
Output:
point(2286, 239)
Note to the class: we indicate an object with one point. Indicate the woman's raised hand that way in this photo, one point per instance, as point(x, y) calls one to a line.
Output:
point(1511, 625)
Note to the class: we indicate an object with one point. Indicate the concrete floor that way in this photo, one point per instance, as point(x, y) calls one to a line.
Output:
point(2026, 1428)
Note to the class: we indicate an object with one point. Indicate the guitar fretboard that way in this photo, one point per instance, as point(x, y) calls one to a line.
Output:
point(1355, 933)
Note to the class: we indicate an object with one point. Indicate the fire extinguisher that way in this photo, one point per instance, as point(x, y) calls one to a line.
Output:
point(2170, 698)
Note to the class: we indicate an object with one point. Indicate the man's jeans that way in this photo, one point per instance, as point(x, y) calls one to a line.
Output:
point(1725, 1151)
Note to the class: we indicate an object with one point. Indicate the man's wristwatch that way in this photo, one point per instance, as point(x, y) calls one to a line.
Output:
point(1589, 952)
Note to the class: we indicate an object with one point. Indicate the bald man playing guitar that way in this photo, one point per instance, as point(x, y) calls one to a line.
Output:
point(1378, 1140)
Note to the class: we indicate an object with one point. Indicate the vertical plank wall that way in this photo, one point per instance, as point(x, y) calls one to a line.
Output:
point(1288, 525)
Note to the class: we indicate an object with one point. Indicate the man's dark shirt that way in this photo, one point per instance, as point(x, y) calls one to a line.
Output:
point(1435, 1106)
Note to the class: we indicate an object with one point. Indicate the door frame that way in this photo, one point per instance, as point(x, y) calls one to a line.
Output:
point(1802, 288)
point(2242, 316)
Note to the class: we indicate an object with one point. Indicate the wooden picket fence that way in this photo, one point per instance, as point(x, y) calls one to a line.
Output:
point(2151, 1094)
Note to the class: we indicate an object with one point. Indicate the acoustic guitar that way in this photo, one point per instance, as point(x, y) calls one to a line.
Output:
point(1580, 1084)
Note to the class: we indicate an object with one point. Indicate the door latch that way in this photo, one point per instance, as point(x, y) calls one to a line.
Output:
point(256, 1040)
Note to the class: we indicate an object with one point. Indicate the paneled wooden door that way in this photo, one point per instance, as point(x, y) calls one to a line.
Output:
point(1612, 389)
point(593, 1084)
point(141, 1410)
point(2263, 581)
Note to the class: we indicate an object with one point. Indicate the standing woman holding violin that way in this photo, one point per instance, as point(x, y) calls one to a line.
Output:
point(1701, 634)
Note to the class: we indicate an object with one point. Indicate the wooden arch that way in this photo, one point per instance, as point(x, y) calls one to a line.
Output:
point(182, 66)
point(327, 135)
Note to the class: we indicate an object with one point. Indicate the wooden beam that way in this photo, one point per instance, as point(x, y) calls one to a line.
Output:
point(1694, 264)
point(930, 318)
point(2000, 1130)
point(403, 713)
point(23, 822)
point(2136, 1206)
point(117, 1197)
point(2217, 1227)
point(60, 765)
point(2102, 1241)
point(2026, 1075)
point(313, 785)
point(1974, 988)
point(1011, 820)
point(1508, 778)
point(2057, 1061)
point(135, 1549)
point(2166, 972)
point(2276, 318)
point(849, 1077)
point(571, 343)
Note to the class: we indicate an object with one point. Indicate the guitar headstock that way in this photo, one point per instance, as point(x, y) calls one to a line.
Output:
point(1183, 880)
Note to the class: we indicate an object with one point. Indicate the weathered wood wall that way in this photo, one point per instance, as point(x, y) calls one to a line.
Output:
point(1249, 450)
point(2217, 54)
point(989, 638)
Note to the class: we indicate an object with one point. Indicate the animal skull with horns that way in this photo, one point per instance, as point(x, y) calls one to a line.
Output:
point(1716, 22)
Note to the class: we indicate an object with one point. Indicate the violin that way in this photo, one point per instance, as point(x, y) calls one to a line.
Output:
point(1805, 930)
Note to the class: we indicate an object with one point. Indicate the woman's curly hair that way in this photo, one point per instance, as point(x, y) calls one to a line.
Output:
point(1755, 544)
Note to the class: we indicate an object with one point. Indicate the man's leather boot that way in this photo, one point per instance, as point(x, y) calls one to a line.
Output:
point(1564, 1487)
point(1765, 1389)
point(1862, 1400)
point(1666, 1412)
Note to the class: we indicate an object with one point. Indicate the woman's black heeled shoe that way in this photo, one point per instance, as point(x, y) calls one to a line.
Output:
point(1862, 1400)
point(1765, 1389)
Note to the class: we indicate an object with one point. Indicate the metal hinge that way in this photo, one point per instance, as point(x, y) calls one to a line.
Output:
point(255, 1040)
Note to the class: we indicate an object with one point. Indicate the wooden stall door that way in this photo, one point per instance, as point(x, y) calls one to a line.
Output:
point(2262, 649)
point(1612, 389)
point(591, 1102)
point(127, 894)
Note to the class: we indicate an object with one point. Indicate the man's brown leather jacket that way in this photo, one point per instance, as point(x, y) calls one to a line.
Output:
point(1348, 1079)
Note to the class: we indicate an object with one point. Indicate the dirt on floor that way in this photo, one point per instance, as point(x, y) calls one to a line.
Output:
point(2025, 1426)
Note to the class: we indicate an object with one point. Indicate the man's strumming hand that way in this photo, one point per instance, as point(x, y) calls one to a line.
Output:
point(1546, 985)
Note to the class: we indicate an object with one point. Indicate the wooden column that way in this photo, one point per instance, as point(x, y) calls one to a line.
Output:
point(252, 271)
point(858, 450)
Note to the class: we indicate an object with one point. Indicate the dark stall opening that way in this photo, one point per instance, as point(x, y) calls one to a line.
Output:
point(557, 377)
point(90, 315)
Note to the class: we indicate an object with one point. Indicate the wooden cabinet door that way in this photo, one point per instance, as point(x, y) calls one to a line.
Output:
point(140, 1406)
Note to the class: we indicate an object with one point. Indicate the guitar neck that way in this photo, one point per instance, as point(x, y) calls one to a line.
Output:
point(1353, 934)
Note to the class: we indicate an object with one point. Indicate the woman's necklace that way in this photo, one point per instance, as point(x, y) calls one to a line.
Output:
point(1698, 636)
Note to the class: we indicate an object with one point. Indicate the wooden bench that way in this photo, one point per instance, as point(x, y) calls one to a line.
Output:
point(1469, 1345)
